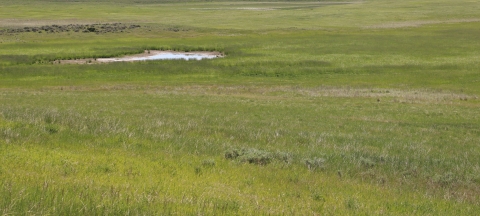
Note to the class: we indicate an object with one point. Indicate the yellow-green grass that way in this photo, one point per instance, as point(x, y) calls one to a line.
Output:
point(365, 108)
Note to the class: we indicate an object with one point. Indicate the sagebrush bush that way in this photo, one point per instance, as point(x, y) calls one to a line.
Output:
point(284, 157)
point(315, 163)
point(251, 155)
point(367, 162)
point(255, 156)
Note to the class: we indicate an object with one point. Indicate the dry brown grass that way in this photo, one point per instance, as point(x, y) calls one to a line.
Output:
point(281, 92)
point(13, 23)
point(418, 23)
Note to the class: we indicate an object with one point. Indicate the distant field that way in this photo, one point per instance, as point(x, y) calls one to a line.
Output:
point(318, 108)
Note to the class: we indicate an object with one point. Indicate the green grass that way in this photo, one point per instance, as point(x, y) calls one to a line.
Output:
point(367, 108)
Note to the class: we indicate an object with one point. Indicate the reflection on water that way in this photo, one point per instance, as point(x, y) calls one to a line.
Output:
point(166, 56)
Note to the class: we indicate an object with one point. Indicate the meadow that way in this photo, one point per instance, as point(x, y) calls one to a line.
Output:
point(318, 108)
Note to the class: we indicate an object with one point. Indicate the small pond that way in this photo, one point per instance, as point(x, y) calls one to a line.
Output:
point(185, 56)
point(150, 55)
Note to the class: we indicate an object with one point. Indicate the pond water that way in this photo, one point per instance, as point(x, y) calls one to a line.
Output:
point(167, 56)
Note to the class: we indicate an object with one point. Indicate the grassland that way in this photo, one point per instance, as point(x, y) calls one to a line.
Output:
point(365, 108)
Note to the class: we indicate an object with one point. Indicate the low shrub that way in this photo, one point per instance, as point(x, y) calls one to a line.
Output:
point(250, 155)
point(315, 163)
point(232, 154)
point(255, 156)
point(367, 162)
point(283, 157)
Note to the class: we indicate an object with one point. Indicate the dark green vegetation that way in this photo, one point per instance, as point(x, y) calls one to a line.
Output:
point(96, 28)
point(363, 108)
